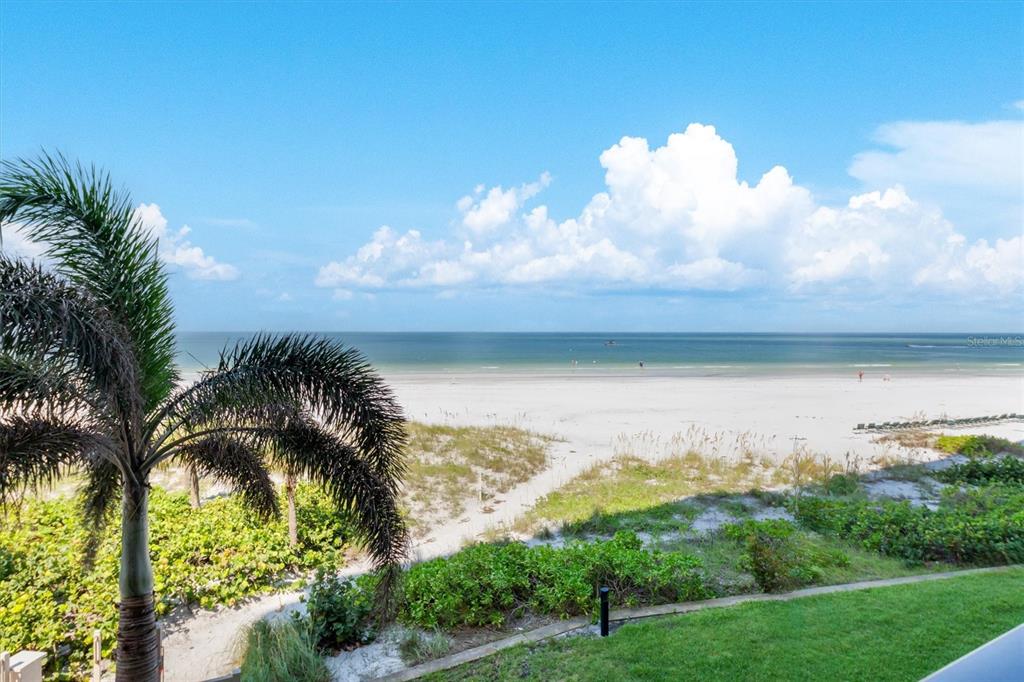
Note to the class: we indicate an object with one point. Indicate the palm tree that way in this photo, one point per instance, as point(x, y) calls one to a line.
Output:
point(88, 386)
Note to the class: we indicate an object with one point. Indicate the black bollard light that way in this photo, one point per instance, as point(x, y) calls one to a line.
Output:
point(604, 611)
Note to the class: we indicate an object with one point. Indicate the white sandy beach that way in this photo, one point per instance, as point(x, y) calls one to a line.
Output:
point(596, 416)
point(593, 412)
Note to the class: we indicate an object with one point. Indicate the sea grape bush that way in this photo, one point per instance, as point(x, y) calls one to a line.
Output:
point(779, 557)
point(989, 470)
point(984, 525)
point(214, 555)
point(486, 584)
point(978, 446)
point(339, 612)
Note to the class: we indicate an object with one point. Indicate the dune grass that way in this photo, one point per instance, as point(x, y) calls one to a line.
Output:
point(282, 650)
point(631, 485)
point(894, 634)
point(644, 494)
point(661, 500)
point(449, 464)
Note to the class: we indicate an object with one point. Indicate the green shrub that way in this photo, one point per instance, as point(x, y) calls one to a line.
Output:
point(282, 650)
point(978, 446)
point(780, 558)
point(981, 526)
point(773, 562)
point(339, 612)
point(840, 485)
point(981, 471)
point(778, 528)
point(218, 554)
point(486, 584)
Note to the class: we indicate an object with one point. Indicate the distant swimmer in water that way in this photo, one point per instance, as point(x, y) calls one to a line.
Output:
point(641, 364)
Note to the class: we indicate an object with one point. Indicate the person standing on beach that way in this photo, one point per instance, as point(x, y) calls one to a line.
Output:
point(860, 375)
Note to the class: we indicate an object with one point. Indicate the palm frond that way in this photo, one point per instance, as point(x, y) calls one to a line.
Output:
point(238, 461)
point(94, 238)
point(35, 452)
point(354, 484)
point(100, 494)
point(49, 390)
point(52, 336)
point(334, 383)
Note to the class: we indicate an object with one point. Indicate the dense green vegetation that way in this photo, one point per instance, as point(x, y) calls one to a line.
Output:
point(89, 387)
point(982, 525)
point(488, 584)
point(218, 554)
point(338, 611)
point(780, 558)
point(896, 634)
point(977, 471)
point(978, 446)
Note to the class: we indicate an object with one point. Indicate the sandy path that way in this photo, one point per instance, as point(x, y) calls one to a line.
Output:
point(593, 413)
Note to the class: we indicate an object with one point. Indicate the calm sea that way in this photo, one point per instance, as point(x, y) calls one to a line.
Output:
point(662, 353)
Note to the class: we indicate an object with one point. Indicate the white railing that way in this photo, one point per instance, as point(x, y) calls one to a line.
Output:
point(24, 666)
point(27, 666)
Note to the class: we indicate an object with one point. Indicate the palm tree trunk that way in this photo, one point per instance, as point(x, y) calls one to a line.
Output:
point(138, 647)
point(193, 479)
point(293, 524)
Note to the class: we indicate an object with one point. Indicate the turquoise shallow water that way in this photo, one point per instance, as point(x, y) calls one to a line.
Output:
point(663, 353)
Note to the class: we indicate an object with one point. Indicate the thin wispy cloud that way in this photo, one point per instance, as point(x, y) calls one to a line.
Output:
point(943, 154)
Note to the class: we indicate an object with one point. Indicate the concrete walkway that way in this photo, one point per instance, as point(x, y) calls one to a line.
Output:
point(555, 629)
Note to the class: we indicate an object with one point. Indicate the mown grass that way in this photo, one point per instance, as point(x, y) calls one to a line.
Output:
point(449, 464)
point(896, 633)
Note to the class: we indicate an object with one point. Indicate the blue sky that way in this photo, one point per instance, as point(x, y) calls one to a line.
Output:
point(521, 158)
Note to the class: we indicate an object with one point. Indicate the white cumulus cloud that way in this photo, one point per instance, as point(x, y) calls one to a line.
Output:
point(176, 249)
point(14, 243)
point(482, 213)
point(678, 218)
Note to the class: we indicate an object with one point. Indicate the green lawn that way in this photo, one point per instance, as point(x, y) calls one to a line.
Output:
point(894, 633)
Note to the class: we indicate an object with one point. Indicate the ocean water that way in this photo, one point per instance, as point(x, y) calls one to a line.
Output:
point(661, 354)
